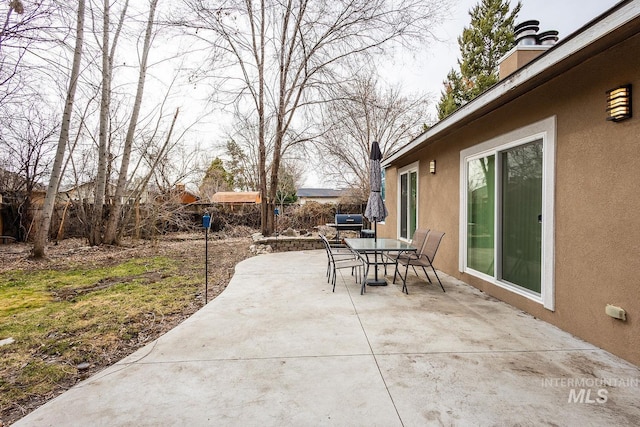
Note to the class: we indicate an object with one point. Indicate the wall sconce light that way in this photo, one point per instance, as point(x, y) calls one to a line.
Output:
point(432, 167)
point(619, 103)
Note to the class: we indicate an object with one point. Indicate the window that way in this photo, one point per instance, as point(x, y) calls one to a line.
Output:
point(506, 199)
point(408, 201)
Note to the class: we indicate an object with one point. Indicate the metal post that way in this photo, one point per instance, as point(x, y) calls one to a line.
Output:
point(206, 265)
point(276, 212)
point(375, 240)
point(206, 223)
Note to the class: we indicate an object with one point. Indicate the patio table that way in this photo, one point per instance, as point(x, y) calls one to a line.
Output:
point(376, 248)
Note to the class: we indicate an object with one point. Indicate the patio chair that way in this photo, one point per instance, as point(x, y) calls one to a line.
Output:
point(417, 241)
point(339, 258)
point(339, 251)
point(424, 259)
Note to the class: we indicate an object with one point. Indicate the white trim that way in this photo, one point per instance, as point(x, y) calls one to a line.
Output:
point(560, 52)
point(415, 166)
point(545, 130)
point(548, 212)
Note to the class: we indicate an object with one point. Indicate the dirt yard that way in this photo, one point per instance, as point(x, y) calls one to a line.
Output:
point(183, 246)
point(187, 250)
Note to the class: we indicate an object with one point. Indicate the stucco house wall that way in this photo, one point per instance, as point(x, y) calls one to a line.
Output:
point(597, 201)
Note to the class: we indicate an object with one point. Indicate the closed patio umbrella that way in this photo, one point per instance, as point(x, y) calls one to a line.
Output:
point(376, 210)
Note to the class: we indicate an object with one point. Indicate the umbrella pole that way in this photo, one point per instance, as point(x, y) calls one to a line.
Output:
point(376, 281)
point(375, 239)
point(375, 230)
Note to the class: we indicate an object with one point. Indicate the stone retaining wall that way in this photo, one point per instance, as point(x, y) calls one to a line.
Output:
point(286, 244)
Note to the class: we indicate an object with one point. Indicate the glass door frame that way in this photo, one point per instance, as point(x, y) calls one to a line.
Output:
point(408, 170)
point(544, 130)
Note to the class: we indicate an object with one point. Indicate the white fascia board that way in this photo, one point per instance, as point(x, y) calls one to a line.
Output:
point(559, 53)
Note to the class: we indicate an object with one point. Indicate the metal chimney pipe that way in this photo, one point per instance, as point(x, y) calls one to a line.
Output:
point(526, 33)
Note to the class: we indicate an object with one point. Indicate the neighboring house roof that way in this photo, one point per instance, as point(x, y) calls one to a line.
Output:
point(11, 181)
point(613, 26)
point(236, 197)
point(90, 185)
point(317, 193)
point(187, 198)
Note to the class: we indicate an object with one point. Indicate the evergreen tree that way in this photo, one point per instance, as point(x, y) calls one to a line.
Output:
point(286, 193)
point(453, 96)
point(241, 167)
point(215, 179)
point(482, 44)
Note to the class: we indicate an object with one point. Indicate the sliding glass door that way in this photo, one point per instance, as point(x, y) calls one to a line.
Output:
point(522, 215)
point(504, 215)
point(408, 202)
point(507, 211)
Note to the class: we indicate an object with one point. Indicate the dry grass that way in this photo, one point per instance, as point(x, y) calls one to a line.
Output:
point(85, 308)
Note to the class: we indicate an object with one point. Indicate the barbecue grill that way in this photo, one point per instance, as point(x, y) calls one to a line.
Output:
point(351, 222)
point(347, 222)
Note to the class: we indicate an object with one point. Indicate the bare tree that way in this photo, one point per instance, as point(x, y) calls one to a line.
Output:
point(54, 181)
point(285, 53)
point(103, 137)
point(108, 49)
point(163, 204)
point(26, 120)
point(115, 213)
point(127, 138)
point(25, 27)
point(25, 143)
point(362, 112)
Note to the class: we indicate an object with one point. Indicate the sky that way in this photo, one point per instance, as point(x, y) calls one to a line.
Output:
point(425, 71)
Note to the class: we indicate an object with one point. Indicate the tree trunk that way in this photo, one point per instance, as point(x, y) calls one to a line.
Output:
point(100, 184)
point(262, 167)
point(111, 236)
point(96, 232)
point(40, 241)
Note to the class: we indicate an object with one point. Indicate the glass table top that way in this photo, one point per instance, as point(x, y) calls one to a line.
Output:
point(378, 245)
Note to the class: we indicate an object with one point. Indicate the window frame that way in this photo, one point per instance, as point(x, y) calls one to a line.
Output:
point(546, 131)
point(413, 167)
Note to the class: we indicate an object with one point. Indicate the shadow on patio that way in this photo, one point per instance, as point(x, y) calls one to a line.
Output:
point(277, 347)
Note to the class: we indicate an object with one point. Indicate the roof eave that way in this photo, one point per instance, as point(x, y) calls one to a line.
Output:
point(542, 69)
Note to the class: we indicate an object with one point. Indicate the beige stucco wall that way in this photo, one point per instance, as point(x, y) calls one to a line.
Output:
point(597, 198)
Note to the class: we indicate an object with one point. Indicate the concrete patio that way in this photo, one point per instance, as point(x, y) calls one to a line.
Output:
point(277, 347)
